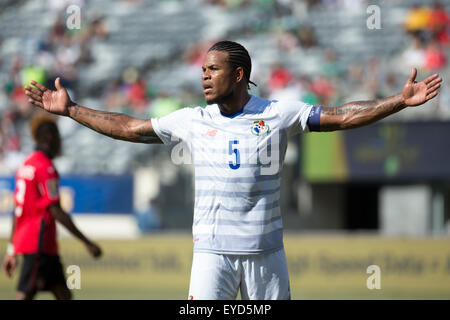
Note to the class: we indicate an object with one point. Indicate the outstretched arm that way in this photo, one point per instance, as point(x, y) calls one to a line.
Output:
point(360, 113)
point(114, 125)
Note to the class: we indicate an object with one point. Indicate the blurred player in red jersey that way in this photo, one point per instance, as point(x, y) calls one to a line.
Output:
point(37, 207)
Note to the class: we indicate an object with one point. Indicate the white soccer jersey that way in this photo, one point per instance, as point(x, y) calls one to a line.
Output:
point(238, 160)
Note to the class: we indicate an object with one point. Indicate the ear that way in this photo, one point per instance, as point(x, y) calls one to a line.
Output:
point(239, 74)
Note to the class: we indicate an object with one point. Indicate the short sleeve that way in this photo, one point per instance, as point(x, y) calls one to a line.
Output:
point(47, 180)
point(294, 116)
point(174, 127)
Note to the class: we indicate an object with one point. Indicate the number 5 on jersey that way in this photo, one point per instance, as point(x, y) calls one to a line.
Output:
point(232, 148)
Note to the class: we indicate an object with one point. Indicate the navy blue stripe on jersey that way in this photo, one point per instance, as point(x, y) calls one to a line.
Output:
point(314, 119)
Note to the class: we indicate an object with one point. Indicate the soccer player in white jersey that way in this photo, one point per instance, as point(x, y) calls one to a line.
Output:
point(238, 142)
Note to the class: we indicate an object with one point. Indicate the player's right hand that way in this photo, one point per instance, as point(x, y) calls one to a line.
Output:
point(94, 249)
point(57, 102)
point(9, 265)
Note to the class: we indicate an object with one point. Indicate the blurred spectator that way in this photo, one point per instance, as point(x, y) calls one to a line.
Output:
point(114, 97)
point(417, 19)
point(294, 91)
point(33, 73)
point(373, 77)
point(44, 58)
point(313, 4)
point(57, 32)
point(95, 32)
point(137, 94)
point(283, 7)
point(324, 89)
point(20, 103)
point(353, 88)
point(135, 90)
point(279, 77)
point(98, 29)
point(439, 18)
point(389, 86)
point(308, 96)
point(287, 41)
point(330, 66)
point(306, 36)
point(443, 37)
point(66, 53)
point(435, 58)
point(10, 138)
point(195, 54)
point(413, 56)
point(439, 24)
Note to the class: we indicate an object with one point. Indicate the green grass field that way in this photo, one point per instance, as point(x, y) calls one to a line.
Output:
point(158, 268)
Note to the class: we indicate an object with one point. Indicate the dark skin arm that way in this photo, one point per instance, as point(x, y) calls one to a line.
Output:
point(114, 125)
point(62, 217)
point(10, 261)
point(360, 113)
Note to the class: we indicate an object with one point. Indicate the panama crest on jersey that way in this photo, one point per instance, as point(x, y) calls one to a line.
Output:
point(259, 127)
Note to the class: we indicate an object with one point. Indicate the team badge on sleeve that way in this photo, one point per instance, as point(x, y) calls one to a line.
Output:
point(259, 127)
point(52, 188)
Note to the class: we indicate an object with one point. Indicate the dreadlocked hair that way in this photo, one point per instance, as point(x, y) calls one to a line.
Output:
point(237, 57)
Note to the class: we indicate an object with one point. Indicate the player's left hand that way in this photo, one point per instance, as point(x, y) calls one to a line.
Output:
point(9, 265)
point(416, 93)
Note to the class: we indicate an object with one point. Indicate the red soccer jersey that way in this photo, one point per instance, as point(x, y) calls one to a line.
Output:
point(37, 187)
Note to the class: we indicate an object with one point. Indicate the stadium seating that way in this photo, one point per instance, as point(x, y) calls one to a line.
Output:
point(152, 37)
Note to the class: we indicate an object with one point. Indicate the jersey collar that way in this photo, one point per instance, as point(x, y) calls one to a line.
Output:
point(234, 115)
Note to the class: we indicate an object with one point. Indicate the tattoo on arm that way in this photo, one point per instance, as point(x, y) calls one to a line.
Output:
point(115, 125)
point(75, 111)
point(359, 113)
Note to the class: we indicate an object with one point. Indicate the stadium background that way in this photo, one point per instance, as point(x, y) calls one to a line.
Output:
point(377, 195)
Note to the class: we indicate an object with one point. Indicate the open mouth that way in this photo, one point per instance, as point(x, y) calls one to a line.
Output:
point(207, 88)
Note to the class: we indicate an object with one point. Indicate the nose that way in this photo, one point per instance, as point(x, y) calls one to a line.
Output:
point(206, 75)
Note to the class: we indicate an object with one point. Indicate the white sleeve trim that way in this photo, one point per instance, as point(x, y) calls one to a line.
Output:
point(304, 118)
point(156, 128)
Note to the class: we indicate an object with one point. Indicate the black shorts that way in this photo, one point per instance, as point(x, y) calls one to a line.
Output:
point(40, 272)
